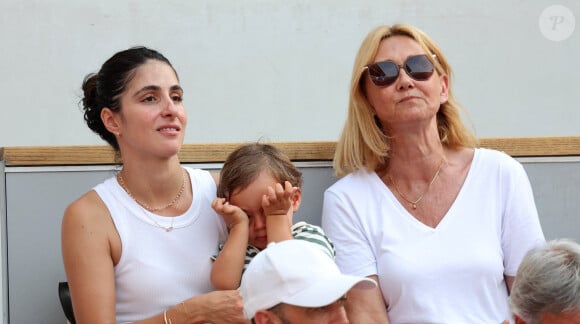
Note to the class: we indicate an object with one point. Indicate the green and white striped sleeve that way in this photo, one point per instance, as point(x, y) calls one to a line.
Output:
point(313, 234)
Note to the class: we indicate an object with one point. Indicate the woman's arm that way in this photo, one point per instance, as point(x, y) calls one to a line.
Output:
point(224, 306)
point(366, 305)
point(520, 224)
point(341, 222)
point(226, 272)
point(87, 250)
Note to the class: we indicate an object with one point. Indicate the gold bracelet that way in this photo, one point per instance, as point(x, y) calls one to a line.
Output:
point(165, 319)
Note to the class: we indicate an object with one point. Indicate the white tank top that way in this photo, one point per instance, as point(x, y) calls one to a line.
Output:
point(158, 269)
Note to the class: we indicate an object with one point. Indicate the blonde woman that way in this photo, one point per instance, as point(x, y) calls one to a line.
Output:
point(440, 224)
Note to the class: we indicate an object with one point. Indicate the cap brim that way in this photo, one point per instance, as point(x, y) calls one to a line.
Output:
point(327, 291)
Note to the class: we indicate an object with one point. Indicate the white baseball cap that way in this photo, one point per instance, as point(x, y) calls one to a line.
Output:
point(295, 272)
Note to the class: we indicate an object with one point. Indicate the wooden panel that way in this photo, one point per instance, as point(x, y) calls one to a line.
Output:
point(297, 151)
point(57, 155)
point(190, 153)
point(535, 146)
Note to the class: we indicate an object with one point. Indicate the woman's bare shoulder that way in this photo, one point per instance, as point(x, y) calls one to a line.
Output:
point(87, 210)
point(87, 227)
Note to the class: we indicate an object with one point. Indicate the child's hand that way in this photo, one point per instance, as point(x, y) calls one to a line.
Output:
point(278, 200)
point(232, 215)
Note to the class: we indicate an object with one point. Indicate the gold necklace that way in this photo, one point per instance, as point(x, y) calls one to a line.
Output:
point(144, 205)
point(167, 229)
point(414, 203)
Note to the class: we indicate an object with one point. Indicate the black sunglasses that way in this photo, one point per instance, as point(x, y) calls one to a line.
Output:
point(385, 73)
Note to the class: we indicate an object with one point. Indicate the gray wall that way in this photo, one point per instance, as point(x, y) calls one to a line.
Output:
point(3, 249)
point(556, 188)
point(36, 199)
point(285, 64)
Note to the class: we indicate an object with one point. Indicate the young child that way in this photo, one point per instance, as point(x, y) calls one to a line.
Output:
point(258, 193)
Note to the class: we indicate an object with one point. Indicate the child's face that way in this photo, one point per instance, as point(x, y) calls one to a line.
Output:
point(250, 201)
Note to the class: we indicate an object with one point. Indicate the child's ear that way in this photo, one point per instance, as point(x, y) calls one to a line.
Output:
point(296, 199)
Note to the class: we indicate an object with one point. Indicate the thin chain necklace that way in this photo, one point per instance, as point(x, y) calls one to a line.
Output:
point(147, 208)
point(144, 205)
point(167, 229)
point(416, 201)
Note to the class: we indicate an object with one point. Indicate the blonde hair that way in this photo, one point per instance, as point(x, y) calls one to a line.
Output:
point(362, 144)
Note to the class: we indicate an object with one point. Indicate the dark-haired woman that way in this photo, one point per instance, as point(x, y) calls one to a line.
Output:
point(137, 247)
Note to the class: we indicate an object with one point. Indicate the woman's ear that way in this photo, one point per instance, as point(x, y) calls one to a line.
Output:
point(444, 94)
point(296, 199)
point(110, 121)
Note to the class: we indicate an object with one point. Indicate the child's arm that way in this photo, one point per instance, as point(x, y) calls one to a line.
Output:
point(226, 272)
point(278, 208)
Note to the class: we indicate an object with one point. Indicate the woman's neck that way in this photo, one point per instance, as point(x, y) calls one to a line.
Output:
point(153, 184)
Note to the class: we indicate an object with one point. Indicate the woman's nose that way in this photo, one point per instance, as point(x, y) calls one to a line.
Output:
point(169, 107)
point(404, 81)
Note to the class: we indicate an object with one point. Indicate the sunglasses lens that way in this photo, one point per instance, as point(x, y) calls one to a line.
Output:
point(419, 67)
point(383, 73)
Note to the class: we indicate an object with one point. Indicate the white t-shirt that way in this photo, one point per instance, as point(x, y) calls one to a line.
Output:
point(158, 269)
point(453, 273)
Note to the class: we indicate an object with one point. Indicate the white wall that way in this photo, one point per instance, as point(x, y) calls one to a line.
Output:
point(279, 70)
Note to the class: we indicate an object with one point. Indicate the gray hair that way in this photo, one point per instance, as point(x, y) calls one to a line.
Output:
point(548, 280)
